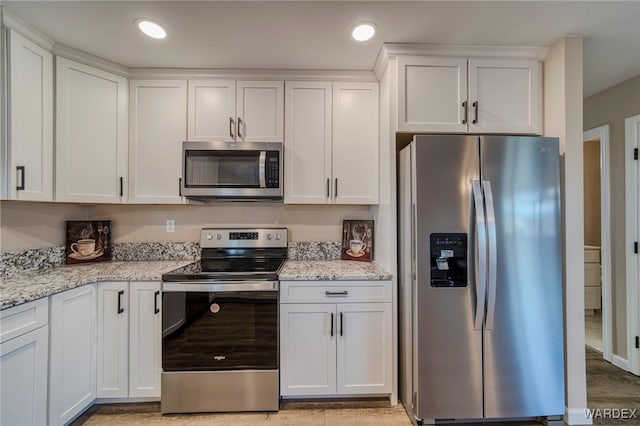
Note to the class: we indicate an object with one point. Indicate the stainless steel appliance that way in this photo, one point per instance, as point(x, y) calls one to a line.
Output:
point(481, 297)
point(232, 170)
point(220, 324)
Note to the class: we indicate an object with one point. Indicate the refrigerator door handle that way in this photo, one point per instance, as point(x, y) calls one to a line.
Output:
point(481, 279)
point(493, 251)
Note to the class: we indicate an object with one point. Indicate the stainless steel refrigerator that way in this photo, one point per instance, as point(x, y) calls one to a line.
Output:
point(481, 294)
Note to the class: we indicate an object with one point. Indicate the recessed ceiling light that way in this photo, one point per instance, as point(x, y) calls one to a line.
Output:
point(151, 29)
point(363, 31)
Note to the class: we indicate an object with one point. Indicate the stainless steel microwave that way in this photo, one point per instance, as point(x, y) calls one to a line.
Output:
point(232, 170)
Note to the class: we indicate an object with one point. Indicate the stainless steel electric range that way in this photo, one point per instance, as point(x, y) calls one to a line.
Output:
point(220, 324)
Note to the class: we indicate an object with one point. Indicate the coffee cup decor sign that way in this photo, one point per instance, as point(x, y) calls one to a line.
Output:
point(88, 241)
point(357, 240)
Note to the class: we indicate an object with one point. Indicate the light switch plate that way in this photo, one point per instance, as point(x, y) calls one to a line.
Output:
point(171, 225)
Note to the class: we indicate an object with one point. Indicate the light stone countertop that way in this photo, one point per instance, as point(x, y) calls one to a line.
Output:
point(29, 286)
point(316, 270)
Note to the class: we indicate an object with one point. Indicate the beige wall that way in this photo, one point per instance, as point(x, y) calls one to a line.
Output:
point(592, 193)
point(147, 223)
point(612, 106)
point(25, 225)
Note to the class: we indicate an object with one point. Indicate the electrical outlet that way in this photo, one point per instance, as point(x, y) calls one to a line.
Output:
point(171, 225)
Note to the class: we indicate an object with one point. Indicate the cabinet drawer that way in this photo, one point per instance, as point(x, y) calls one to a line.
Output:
point(592, 298)
point(591, 255)
point(334, 291)
point(23, 318)
point(591, 274)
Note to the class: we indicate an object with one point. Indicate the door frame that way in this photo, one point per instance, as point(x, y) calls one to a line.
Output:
point(602, 133)
point(632, 234)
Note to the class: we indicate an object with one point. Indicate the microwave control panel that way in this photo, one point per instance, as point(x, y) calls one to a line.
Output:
point(273, 169)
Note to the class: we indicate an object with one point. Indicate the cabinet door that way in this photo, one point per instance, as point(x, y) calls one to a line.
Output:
point(307, 145)
point(72, 362)
point(364, 333)
point(145, 341)
point(30, 133)
point(113, 340)
point(212, 110)
point(307, 349)
point(355, 143)
point(23, 368)
point(260, 111)
point(508, 95)
point(431, 94)
point(158, 126)
point(91, 134)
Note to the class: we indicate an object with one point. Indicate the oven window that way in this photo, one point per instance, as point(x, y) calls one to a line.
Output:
point(222, 169)
point(219, 331)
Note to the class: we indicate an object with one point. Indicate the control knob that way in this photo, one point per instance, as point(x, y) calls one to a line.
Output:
point(269, 237)
point(209, 237)
point(218, 236)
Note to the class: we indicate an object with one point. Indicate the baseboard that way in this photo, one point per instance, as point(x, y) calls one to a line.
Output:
point(577, 416)
point(620, 362)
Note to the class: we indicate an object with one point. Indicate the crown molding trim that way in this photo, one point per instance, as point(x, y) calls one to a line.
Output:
point(249, 74)
point(393, 50)
point(13, 22)
point(89, 59)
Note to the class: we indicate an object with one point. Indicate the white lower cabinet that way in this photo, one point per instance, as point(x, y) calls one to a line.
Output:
point(23, 364)
point(339, 341)
point(129, 340)
point(72, 360)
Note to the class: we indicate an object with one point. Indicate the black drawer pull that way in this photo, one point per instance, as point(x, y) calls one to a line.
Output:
point(336, 293)
point(156, 309)
point(20, 170)
point(331, 324)
point(120, 308)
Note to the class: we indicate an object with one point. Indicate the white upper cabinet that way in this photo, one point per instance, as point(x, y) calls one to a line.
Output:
point(355, 143)
point(226, 110)
point(307, 156)
point(157, 128)
point(456, 95)
point(431, 95)
point(29, 163)
point(505, 96)
point(91, 134)
point(331, 143)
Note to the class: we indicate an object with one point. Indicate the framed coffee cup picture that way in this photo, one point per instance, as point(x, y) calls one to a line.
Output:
point(357, 240)
point(88, 241)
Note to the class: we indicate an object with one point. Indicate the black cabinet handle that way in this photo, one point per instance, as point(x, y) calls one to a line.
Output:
point(180, 187)
point(20, 170)
point(231, 123)
point(120, 308)
point(155, 302)
point(328, 184)
point(239, 127)
point(341, 324)
point(121, 185)
point(466, 112)
point(335, 193)
point(475, 109)
point(336, 293)
point(331, 324)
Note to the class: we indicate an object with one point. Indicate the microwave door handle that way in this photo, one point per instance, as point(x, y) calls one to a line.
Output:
point(262, 169)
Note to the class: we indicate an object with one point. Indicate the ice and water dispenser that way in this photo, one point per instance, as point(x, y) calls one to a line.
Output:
point(448, 259)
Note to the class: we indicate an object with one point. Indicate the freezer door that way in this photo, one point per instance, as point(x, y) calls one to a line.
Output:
point(449, 348)
point(523, 336)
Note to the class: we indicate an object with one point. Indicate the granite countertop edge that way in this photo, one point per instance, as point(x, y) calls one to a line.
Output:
point(29, 286)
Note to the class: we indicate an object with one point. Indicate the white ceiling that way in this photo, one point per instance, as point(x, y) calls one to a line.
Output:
point(315, 34)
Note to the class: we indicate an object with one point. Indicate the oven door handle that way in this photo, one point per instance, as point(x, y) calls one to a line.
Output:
point(220, 286)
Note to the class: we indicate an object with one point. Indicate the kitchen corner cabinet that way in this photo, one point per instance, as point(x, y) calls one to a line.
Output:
point(24, 351)
point(157, 128)
point(327, 329)
point(129, 340)
point(91, 134)
point(459, 95)
point(28, 166)
point(240, 111)
point(72, 359)
point(331, 143)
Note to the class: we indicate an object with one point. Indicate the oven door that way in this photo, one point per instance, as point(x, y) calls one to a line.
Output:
point(217, 327)
point(232, 170)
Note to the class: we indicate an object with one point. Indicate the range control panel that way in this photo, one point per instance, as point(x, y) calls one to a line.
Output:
point(247, 238)
point(448, 259)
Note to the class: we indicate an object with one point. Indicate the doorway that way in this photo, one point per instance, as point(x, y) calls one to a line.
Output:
point(597, 232)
